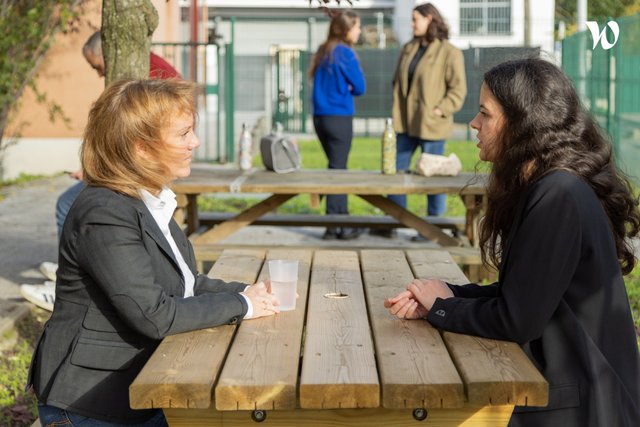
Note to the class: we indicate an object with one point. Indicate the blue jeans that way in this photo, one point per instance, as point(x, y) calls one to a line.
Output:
point(51, 416)
point(64, 203)
point(405, 147)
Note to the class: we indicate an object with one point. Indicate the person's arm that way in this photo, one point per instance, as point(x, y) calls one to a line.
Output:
point(109, 248)
point(456, 84)
point(473, 290)
point(351, 70)
point(542, 260)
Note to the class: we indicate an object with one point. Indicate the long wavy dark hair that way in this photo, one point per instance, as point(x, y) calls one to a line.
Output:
point(547, 128)
point(341, 24)
point(438, 29)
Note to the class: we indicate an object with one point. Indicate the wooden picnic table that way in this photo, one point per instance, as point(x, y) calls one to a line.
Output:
point(339, 358)
point(369, 185)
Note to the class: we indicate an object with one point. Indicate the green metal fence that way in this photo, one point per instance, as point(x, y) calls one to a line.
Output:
point(608, 82)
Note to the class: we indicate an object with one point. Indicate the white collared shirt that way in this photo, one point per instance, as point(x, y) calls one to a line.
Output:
point(162, 208)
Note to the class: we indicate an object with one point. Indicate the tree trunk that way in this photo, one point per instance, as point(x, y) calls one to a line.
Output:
point(127, 26)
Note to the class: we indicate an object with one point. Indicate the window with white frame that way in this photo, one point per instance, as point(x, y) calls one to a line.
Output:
point(485, 17)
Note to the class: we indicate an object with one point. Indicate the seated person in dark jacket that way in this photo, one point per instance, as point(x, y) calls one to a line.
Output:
point(558, 225)
point(127, 275)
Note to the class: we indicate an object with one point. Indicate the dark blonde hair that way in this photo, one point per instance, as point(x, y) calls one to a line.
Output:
point(438, 29)
point(130, 117)
point(547, 129)
point(341, 24)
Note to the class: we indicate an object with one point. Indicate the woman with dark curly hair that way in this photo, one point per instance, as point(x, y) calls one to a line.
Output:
point(558, 223)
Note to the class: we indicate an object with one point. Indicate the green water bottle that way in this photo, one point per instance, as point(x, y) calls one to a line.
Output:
point(388, 149)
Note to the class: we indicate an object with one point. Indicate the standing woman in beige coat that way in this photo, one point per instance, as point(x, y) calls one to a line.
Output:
point(429, 85)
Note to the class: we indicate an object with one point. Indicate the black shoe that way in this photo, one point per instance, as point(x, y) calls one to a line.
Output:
point(419, 238)
point(331, 233)
point(348, 233)
point(389, 233)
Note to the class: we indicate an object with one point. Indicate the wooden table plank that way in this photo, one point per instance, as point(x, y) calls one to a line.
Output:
point(494, 372)
point(469, 416)
point(415, 368)
point(211, 179)
point(338, 367)
point(261, 371)
point(182, 370)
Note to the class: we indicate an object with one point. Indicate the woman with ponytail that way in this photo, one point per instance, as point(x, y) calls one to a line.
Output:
point(337, 78)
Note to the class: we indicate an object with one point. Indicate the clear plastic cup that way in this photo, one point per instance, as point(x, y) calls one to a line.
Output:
point(284, 281)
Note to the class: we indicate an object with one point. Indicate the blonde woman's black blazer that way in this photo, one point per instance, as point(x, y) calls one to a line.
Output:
point(119, 292)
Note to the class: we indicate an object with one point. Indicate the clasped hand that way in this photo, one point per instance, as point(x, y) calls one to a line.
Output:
point(417, 300)
point(263, 302)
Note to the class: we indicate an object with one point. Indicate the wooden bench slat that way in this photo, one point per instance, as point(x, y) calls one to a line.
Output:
point(406, 349)
point(182, 370)
point(210, 219)
point(494, 372)
point(469, 416)
point(338, 366)
point(261, 371)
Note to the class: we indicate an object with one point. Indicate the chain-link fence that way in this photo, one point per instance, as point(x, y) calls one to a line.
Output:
point(608, 81)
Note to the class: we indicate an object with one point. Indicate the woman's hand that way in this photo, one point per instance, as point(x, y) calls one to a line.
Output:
point(425, 291)
point(264, 304)
point(438, 112)
point(405, 306)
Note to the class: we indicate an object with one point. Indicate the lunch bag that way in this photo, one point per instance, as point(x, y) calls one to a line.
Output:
point(279, 153)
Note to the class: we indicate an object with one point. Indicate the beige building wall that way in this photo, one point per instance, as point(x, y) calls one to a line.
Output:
point(68, 80)
point(46, 147)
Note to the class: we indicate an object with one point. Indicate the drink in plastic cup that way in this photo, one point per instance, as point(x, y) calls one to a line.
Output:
point(284, 280)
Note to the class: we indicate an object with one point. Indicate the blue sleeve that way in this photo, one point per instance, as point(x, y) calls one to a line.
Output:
point(350, 68)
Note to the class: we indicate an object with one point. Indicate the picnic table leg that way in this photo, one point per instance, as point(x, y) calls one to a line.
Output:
point(241, 220)
point(187, 211)
point(474, 205)
point(405, 217)
point(193, 222)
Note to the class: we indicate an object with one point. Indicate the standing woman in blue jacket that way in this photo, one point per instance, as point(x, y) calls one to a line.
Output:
point(337, 78)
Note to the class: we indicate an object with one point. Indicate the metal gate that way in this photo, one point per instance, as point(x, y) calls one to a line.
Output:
point(288, 81)
point(210, 66)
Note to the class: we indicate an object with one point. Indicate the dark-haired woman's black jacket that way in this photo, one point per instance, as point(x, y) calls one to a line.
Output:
point(561, 295)
point(119, 292)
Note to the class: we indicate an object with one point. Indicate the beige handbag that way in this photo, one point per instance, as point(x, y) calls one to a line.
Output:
point(436, 165)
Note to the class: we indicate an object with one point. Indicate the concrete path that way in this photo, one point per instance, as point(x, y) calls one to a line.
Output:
point(27, 237)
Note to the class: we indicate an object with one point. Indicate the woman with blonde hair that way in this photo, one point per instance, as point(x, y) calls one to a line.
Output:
point(337, 78)
point(127, 276)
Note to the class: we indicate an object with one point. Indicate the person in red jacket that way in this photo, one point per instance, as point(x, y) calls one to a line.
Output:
point(158, 67)
point(44, 295)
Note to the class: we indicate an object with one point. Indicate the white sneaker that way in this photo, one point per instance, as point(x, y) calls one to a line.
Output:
point(41, 295)
point(48, 270)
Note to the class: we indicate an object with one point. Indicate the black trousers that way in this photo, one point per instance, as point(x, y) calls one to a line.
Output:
point(335, 134)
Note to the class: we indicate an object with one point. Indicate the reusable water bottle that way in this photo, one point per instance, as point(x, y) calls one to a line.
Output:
point(244, 149)
point(388, 149)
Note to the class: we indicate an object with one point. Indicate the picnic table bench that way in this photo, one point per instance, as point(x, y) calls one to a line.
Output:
point(339, 358)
